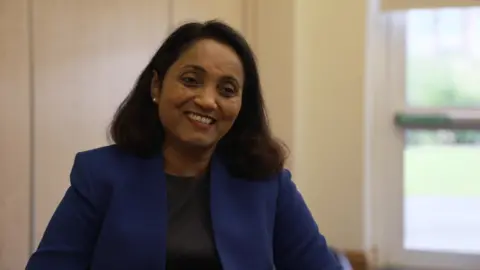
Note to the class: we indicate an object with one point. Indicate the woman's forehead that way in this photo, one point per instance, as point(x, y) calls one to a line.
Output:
point(211, 56)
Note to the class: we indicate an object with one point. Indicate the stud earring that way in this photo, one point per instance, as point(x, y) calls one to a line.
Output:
point(154, 100)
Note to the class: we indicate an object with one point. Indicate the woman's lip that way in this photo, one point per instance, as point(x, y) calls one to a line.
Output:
point(201, 114)
point(200, 125)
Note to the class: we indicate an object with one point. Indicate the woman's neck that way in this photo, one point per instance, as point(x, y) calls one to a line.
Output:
point(185, 160)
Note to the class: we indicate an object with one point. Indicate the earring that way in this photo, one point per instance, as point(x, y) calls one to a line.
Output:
point(154, 100)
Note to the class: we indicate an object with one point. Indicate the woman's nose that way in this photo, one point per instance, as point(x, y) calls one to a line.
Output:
point(207, 98)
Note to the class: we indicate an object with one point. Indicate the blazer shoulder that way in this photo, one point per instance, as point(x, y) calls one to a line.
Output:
point(105, 157)
point(283, 178)
point(285, 175)
point(288, 192)
point(278, 182)
point(105, 164)
point(104, 153)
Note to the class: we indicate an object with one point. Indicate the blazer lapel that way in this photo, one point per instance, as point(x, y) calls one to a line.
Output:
point(240, 220)
point(153, 206)
point(222, 206)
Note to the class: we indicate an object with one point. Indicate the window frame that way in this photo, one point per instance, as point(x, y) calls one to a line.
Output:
point(389, 5)
point(385, 140)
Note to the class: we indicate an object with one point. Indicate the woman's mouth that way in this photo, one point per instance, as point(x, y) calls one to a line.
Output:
point(200, 118)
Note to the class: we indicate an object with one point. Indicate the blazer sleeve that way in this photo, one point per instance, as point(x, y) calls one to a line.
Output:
point(297, 242)
point(70, 236)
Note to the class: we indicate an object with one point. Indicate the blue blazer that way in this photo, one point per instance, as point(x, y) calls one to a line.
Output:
point(114, 217)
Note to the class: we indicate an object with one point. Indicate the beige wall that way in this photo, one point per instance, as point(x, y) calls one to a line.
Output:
point(310, 54)
point(87, 54)
point(274, 47)
point(14, 134)
point(312, 61)
point(330, 37)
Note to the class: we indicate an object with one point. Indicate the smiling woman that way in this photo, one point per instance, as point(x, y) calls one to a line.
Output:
point(201, 95)
point(195, 179)
point(208, 71)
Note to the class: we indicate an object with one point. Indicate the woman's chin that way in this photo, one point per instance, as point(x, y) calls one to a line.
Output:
point(206, 143)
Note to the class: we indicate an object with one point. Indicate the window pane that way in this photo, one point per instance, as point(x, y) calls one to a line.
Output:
point(442, 191)
point(443, 57)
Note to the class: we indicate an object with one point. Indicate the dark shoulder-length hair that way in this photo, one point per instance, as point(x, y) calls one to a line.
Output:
point(248, 149)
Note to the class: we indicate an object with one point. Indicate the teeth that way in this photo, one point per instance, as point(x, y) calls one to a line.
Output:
point(201, 119)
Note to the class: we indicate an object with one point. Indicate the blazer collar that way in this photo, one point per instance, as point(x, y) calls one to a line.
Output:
point(222, 186)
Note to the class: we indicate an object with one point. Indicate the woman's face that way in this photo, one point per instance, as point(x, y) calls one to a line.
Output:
point(201, 94)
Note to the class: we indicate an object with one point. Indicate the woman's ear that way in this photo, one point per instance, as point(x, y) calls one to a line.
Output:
point(155, 87)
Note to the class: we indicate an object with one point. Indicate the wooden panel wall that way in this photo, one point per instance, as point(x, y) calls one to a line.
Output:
point(230, 11)
point(87, 55)
point(14, 134)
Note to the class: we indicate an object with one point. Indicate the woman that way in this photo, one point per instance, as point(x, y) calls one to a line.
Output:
point(195, 179)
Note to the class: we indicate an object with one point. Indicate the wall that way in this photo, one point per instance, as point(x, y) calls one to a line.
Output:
point(311, 55)
point(330, 38)
point(14, 134)
point(274, 46)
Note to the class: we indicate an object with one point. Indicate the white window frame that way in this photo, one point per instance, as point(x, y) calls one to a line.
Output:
point(384, 93)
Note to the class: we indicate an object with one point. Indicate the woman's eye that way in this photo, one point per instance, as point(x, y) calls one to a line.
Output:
point(190, 81)
point(229, 89)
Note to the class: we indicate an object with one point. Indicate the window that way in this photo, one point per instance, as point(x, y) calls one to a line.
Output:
point(441, 178)
point(443, 58)
point(430, 172)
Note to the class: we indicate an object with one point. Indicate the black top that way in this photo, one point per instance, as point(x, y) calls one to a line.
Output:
point(190, 243)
